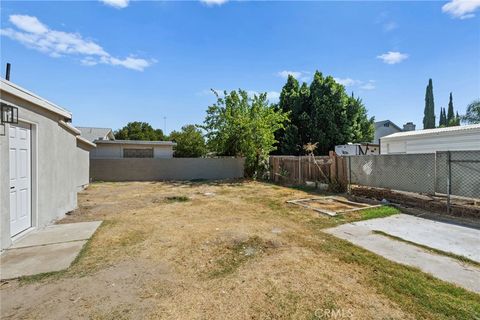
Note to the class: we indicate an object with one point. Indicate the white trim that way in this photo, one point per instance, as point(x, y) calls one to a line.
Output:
point(24, 94)
point(81, 139)
point(434, 132)
point(69, 127)
point(34, 169)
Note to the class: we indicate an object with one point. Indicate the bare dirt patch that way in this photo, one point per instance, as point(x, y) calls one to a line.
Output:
point(234, 250)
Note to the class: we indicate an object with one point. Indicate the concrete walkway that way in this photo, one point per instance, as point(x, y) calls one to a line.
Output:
point(442, 236)
point(462, 241)
point(52, 248)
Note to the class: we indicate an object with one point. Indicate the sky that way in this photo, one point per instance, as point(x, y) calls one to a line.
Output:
point(115, 61)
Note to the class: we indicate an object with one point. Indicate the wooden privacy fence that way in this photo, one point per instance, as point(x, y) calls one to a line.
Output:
point(299, 169)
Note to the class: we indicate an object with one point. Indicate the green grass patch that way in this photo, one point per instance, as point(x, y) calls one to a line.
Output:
point(437, 251)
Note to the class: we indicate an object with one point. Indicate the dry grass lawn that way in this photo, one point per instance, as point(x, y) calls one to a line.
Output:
point(227, 250)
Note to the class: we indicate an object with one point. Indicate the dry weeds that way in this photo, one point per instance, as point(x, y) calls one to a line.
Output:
point(234, 250)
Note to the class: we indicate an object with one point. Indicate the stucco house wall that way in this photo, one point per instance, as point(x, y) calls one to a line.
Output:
point(114, 149)
point(59, 163)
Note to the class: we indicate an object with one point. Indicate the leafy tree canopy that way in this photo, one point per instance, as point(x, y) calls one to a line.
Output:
point(190, 142)
point(238, 125)
point(139, 131)
point(472, 115)
point(321, 113)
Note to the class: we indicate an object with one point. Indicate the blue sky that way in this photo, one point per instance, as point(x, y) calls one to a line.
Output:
point(120, 61)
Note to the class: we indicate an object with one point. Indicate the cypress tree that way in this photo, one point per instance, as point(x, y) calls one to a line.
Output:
point(443, 118)
point(451, 115)
point(429, 111)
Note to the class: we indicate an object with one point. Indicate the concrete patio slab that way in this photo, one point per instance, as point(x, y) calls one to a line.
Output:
point(442, 267)
point(57, 233)
point(50, 249)
point(443, 236)
point(39, 259)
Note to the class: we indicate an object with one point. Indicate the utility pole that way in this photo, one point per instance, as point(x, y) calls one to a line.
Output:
point(164, 125)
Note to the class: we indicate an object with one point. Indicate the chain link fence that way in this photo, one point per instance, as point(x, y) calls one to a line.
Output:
point(458, 173)
point(406, 172)
point(448, 173)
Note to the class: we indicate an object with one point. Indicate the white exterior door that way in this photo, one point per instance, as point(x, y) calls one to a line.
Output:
point(20, 178)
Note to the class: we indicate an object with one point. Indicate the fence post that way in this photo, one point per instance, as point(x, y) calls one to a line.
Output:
point(449, 180)
point(299, 169)
point(333, 166)
point(349, 188)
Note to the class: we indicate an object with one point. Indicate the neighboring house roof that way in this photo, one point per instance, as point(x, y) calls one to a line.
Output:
point(24, 94)
point(92, 134)
point(436, 131)
point(138, 142)
point(379, 124)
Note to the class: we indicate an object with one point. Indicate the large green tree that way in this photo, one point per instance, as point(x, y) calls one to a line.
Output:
point(472, 115)
point(289, 141)
point(451, 119)
point(329, 125)
point(321, 113)
point(190, 142)
point(139, 131)
point(429, 111)
point(238, 125)
point(294, 99)
point(361, 128)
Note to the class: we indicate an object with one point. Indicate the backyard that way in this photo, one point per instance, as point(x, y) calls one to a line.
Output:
point(225, 250)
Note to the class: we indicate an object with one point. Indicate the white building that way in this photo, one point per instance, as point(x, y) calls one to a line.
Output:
point(431, 140)
point(44, 162)
point(114, 149)
point(110, 148)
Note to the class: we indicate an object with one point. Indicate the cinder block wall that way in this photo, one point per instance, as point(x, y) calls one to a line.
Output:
point(130, 169)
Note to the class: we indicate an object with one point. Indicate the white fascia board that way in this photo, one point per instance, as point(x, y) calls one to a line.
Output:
point(18, 91)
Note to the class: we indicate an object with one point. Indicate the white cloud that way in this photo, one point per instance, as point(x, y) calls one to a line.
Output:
point(213, 2)
point(393, 57)
point(35, 35)
point(28, 24)
point(370, 85)
point(461, 9)
point(118, 4)
point(272, 96)
point(347, 82)
point(304, 76)
point(285, 73)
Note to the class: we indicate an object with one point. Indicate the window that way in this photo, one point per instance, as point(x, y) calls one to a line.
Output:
point(386, 124)
point(138, 153)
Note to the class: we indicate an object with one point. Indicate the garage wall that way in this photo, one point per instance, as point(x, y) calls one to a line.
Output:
point(55, 176)
point(166, 169)
point(82, 169)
